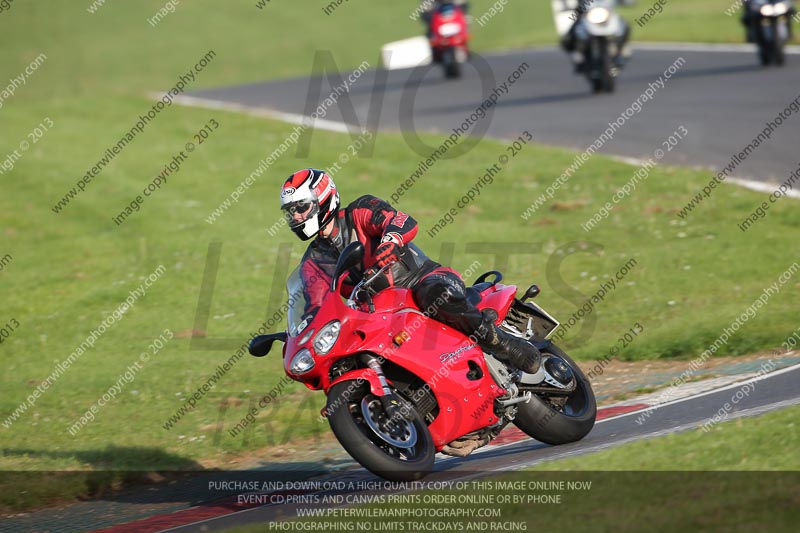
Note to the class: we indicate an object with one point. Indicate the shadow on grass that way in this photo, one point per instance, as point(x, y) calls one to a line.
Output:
point(115, 458)
point(135, 475)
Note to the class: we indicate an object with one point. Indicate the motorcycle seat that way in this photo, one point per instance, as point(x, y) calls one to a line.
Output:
point(474, 292)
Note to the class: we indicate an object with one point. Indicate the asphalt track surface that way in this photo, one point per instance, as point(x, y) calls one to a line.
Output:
point(721, 96)
point(752, 397)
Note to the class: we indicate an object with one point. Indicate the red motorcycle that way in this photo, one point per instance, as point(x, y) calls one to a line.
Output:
point(402, 386)
point(449, 39)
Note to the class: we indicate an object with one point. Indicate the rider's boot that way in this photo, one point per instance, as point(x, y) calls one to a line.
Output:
point(517, 352)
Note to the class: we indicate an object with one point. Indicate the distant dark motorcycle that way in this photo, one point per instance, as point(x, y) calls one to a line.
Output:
point(598, 43)
point(768, 24)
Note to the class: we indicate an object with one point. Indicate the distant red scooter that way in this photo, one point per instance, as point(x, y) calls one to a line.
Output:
point(402, 386)
point(449, 38)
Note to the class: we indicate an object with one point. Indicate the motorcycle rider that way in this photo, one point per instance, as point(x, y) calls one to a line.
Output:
point(569, 41)
point(750, 18)
point(310, 202)
point(429, 7)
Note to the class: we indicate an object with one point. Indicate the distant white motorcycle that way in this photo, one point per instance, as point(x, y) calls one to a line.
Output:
point(596, 35)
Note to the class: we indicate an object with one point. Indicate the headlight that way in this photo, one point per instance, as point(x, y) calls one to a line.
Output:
point(449, 29)
point(301, 363)
point(307, 336)
point(598, 15)
point(780, 8)
point(768, 10)
point(326, 337)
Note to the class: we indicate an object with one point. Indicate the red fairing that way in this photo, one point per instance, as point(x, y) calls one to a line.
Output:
point(500, 298)
point(394, 299)
point(459, 38)
point(437, 354)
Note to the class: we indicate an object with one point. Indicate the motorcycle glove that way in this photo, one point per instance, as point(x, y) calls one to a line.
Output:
point(387, 252)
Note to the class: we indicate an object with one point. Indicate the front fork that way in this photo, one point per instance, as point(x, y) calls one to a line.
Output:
point(596, 48)
point(395, 407)
point(775, 29)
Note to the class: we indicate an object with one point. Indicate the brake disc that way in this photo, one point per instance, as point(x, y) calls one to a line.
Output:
point(401, 434)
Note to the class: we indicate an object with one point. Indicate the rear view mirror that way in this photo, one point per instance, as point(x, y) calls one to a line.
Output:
point(532, 292)
point(262, 344)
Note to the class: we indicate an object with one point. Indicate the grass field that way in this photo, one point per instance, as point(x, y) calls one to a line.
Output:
point(67, 272)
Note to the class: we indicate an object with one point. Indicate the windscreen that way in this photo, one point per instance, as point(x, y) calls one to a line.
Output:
point(297, 303)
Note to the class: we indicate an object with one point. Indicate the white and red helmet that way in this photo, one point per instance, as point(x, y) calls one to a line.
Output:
point(309, 200)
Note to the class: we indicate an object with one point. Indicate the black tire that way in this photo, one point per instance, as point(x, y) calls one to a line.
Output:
point(346, 417)
point(778, 54)
point(540, 420)
point(452, 69)
point(607, 80)
point(593, 65)
point(764, 55)
point(602, 80)
point(608, 83)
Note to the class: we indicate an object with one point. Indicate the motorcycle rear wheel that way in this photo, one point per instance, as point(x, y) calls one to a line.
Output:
point(572, 422)
point(359, 422)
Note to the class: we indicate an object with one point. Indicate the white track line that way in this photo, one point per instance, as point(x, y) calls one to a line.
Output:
point(261, 112)
point(704, 47)
point(753, 411)
point(341, 127)
point(712, 391)
point(723, 48)
point(653, 408)
point(759, 186)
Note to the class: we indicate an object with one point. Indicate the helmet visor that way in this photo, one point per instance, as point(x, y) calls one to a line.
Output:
point(297, 213)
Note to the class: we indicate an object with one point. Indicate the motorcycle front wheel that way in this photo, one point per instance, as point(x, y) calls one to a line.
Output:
point(554, 420)
point(598, 63)
point(765, 54)
point(394, 450)
point(452, 69)
point(778, 55)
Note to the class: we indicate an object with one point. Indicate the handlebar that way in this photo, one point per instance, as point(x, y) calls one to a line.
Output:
point(361, 285)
